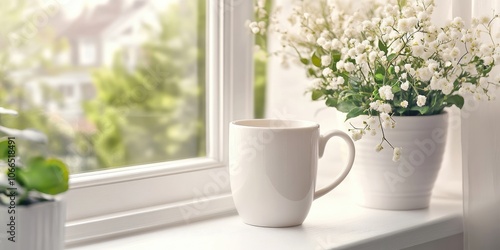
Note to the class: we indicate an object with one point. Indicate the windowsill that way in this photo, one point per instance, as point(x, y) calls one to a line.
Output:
point(333, 222)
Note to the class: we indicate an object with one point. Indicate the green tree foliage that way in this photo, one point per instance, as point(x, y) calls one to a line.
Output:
point(22, 43)
point(155, 111)
point(260, 71)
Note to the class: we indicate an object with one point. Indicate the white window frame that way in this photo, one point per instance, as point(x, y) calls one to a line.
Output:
point(110, 202)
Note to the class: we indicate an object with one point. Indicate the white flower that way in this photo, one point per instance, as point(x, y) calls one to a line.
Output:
point(254, 27)
point(396, 154)
point(404, 104)
point(405, 85)
point(385, 117)
point(375, 105)
point(349, 67)
point(339, 80)
point(404, 25)
point(379, 147)
point(326, 60)
point(321, 41)
point(327, 72)
point(425, 74)
point(373, 132)
point(357, 135)
point(488, 60)
point(372, 56)
point(386, 92)
point(371, 121)
point(336, 44)
point(458, 22)
point(340, 65)
point(421, 100)
point(447, 88)
point(418, 50)
point(385, 107)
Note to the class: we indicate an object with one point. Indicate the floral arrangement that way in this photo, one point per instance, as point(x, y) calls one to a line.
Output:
point(388, 60)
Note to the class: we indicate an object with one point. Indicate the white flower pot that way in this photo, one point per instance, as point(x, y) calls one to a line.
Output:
point(37, 227)
point(382, 183)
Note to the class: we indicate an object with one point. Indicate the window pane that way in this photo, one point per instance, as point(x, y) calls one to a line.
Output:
point(113, 83)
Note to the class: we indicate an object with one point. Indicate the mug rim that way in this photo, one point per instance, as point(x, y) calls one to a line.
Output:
point(267, 124)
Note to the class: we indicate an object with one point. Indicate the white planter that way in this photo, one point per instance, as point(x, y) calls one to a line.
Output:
point(37, 227)
point(383, 184)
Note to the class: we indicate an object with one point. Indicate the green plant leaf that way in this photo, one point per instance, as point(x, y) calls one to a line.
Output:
point(391, 56)
point(382, 46)
point(48, 176)
point(346, 106)
point(331, 102)
point(423, 110)
point(456, 100)
point(304, 61)
point(316, 94)
point(355, 112)
point(4, 149)
point(396, 89)
point(311, 73)
point(316, 61)
point(336, 55)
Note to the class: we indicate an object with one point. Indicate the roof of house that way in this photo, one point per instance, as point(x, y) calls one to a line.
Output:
point(93, 22)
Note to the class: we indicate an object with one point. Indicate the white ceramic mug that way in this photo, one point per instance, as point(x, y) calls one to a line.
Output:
point(273, 165)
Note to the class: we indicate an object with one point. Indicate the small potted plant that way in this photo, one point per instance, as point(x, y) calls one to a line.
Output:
point(31, 216)
point(392, 72)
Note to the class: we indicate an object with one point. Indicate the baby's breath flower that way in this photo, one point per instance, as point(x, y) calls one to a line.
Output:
point(396, 156)
point(388, 58)
point(356, 135)
point(385, 93)
point(421, 100)
point(405, 85)
point(404, 104)
point(326, 60)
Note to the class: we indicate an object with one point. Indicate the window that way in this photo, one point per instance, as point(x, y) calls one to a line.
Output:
point(141, 190)
point(87, 52)
point(66, 91)
point(153, 103)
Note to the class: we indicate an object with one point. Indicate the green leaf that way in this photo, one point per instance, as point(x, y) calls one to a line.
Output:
point(355, 112)
point(48, 176)
point(304, 61)
point(331, 102)
point(316, 94)
point(423, 110)
point(311, 72)
point(379, 77)
point(316, 61)
point(391, 56)
point(346, 93)
point(346, 106)
point(4, 149)
point(395, 89)
point(382, 46)
point(456, 100)
point(336, 55)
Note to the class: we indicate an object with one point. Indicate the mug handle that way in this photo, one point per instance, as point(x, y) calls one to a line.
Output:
point(352, 152)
